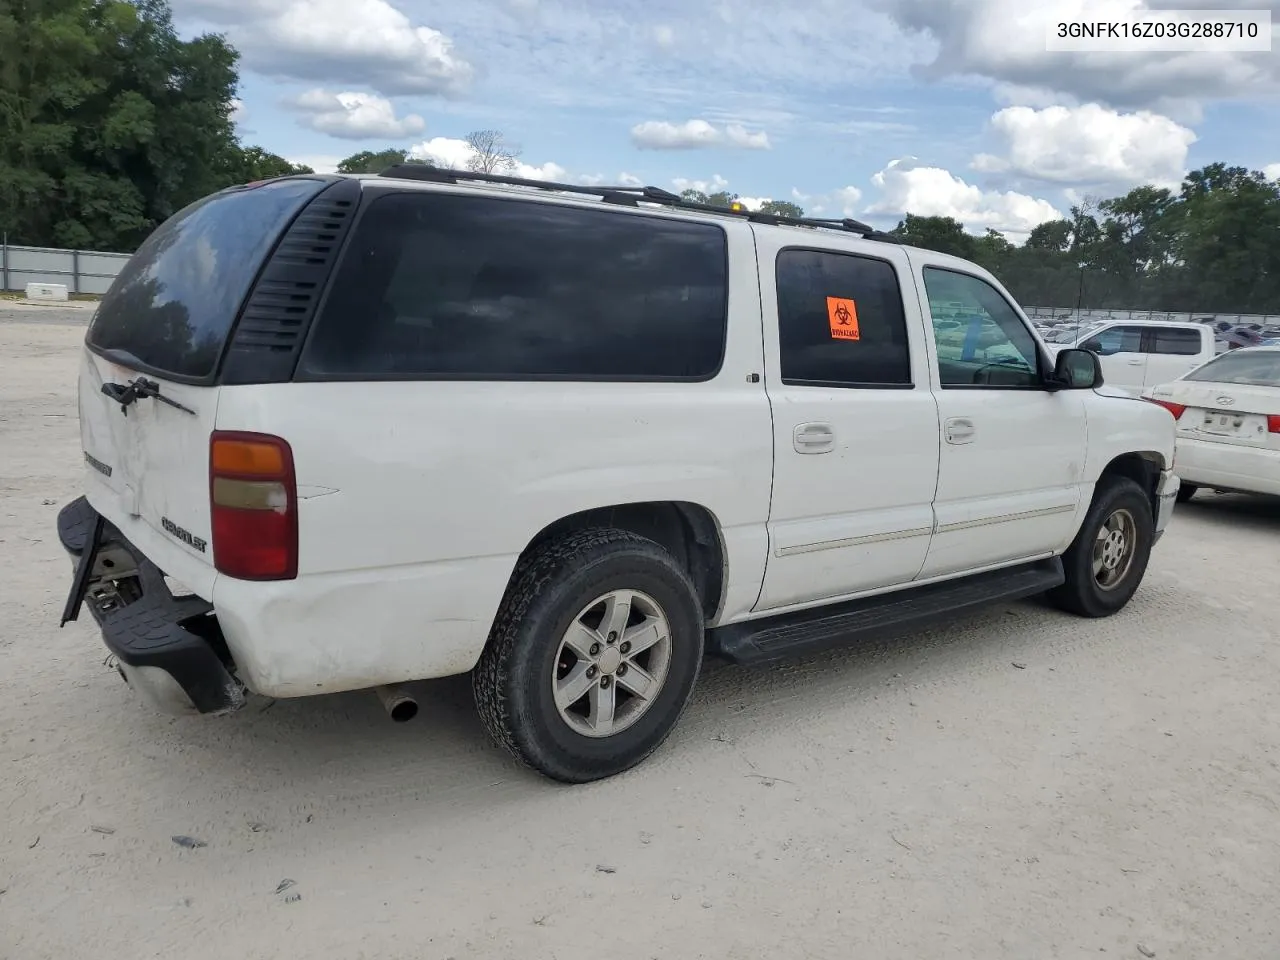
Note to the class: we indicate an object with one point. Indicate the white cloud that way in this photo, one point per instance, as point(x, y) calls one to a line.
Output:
point(357, 42)
point(909, 187)
point(1272, 171)
point(663, 35)
point(1090, 144)
point(239, 113)
point(1003, 41)
point(456, 154)
point(695, 134)
point(355, 116)
point(714, 185)
point(847, 199)
point(320, 163)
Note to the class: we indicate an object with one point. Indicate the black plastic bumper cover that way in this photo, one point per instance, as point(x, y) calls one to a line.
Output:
point(150, 632)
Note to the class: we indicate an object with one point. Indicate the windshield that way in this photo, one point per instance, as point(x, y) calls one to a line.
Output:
point(172, 307)
point(1257, 369)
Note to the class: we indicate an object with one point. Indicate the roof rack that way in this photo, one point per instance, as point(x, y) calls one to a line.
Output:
point(631, 197)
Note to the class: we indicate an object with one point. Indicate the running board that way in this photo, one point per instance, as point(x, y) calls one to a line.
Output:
point(773, 639)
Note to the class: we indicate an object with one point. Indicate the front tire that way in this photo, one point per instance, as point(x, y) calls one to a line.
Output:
point(593, 655)
point(1107, 560)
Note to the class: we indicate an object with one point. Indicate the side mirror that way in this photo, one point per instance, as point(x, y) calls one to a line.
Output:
point(1093, 344)
point(1077, 369)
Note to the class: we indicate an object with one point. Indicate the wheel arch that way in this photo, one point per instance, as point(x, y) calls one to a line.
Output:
point(688, 531)
point(1141, 466)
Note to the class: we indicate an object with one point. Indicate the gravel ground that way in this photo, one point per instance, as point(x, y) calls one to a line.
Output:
point(1019, 785)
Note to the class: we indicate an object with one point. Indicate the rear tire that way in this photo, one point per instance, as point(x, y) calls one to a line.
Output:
point(592, 657)
point(1187, 491)
point(1108, 558)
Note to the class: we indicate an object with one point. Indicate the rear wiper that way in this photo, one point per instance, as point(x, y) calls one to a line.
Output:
point(139, 389)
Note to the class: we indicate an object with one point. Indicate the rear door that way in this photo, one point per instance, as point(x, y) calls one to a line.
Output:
point(1172, 352)
point(161, 330)
point(855, 423)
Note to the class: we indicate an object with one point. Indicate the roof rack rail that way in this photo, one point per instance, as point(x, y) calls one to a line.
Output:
point(630, 196)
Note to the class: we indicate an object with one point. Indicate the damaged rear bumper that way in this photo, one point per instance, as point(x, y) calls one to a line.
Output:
point(168, 647)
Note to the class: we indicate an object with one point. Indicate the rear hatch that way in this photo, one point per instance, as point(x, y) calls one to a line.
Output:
point(147, 388)
point(1233, 399)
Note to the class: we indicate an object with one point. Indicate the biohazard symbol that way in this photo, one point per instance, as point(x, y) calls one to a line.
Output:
point(843, 315)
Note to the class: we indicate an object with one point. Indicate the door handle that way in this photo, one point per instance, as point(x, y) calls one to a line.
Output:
point(813, 438)
point(1136, 363)
point(960, 430)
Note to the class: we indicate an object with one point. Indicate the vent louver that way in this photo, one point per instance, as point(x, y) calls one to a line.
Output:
point(278, 312)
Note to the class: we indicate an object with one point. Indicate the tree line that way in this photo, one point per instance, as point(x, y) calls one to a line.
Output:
point(110, 123)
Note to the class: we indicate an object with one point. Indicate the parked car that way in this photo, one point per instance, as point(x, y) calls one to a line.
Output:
point(342, 433)
point(1228, 415)
point(1137, 354)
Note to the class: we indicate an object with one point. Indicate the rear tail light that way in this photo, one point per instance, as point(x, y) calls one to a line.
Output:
point(1273, 423)
point(254, 499)
point(1177, 409)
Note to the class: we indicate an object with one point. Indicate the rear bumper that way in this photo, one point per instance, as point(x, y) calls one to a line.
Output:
point(168, 647)
point(1167, 486)
point(1228, 466)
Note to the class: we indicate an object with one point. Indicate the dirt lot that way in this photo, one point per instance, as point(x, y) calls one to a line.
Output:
point(1024, 785)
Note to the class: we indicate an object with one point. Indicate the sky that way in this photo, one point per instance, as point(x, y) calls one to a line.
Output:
point(864, 108)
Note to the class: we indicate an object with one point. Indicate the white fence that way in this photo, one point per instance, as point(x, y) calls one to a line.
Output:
point(83, 271)
point(1086, 316)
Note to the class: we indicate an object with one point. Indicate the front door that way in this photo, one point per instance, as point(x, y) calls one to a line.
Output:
point(1122, 351)
point(854, 420)
point(1012, 451)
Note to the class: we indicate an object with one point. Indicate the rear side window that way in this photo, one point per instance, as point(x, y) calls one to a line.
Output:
point(447, 286)
point(1171, 340)
point(171, 309)
point(840, 321)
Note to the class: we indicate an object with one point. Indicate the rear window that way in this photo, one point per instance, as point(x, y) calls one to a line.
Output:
point(172, 307)
point(1260, 369)
point(446, 286)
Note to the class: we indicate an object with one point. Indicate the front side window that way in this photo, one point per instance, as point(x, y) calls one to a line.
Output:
point(437, 285)
point(990, 346)
point(1115, 340)
point(840, 321)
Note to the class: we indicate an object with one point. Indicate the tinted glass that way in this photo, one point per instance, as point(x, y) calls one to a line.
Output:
point(985, 343)
point(840, 320)
point(441, 285)
point(1185, 343)
point(1260, 368)
point(174, 303)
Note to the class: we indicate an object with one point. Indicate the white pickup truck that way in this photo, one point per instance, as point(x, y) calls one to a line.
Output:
point(1140, 354)
point(342, 433)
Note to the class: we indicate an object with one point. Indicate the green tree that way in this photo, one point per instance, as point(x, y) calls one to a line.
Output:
point(782, 208)
point(258, 164)
point(109, 123)
point(370, 161)
point(943, 234)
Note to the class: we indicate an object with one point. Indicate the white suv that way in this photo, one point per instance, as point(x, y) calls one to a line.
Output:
point(346, 432)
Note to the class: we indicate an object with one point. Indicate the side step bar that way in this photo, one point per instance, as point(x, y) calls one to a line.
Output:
point(774, 639)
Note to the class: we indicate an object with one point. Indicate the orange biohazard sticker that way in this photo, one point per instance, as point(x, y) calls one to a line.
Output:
point(843, 315)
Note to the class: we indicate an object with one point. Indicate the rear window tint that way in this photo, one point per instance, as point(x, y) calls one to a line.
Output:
point(1260, 369)
point(1172, 340)
point(447, 286)
point(172, 307)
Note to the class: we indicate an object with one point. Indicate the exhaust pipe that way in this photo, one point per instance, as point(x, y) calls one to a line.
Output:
point(398, 702)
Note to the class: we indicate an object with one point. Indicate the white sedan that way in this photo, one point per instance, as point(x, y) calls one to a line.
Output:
point(1228, 414)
